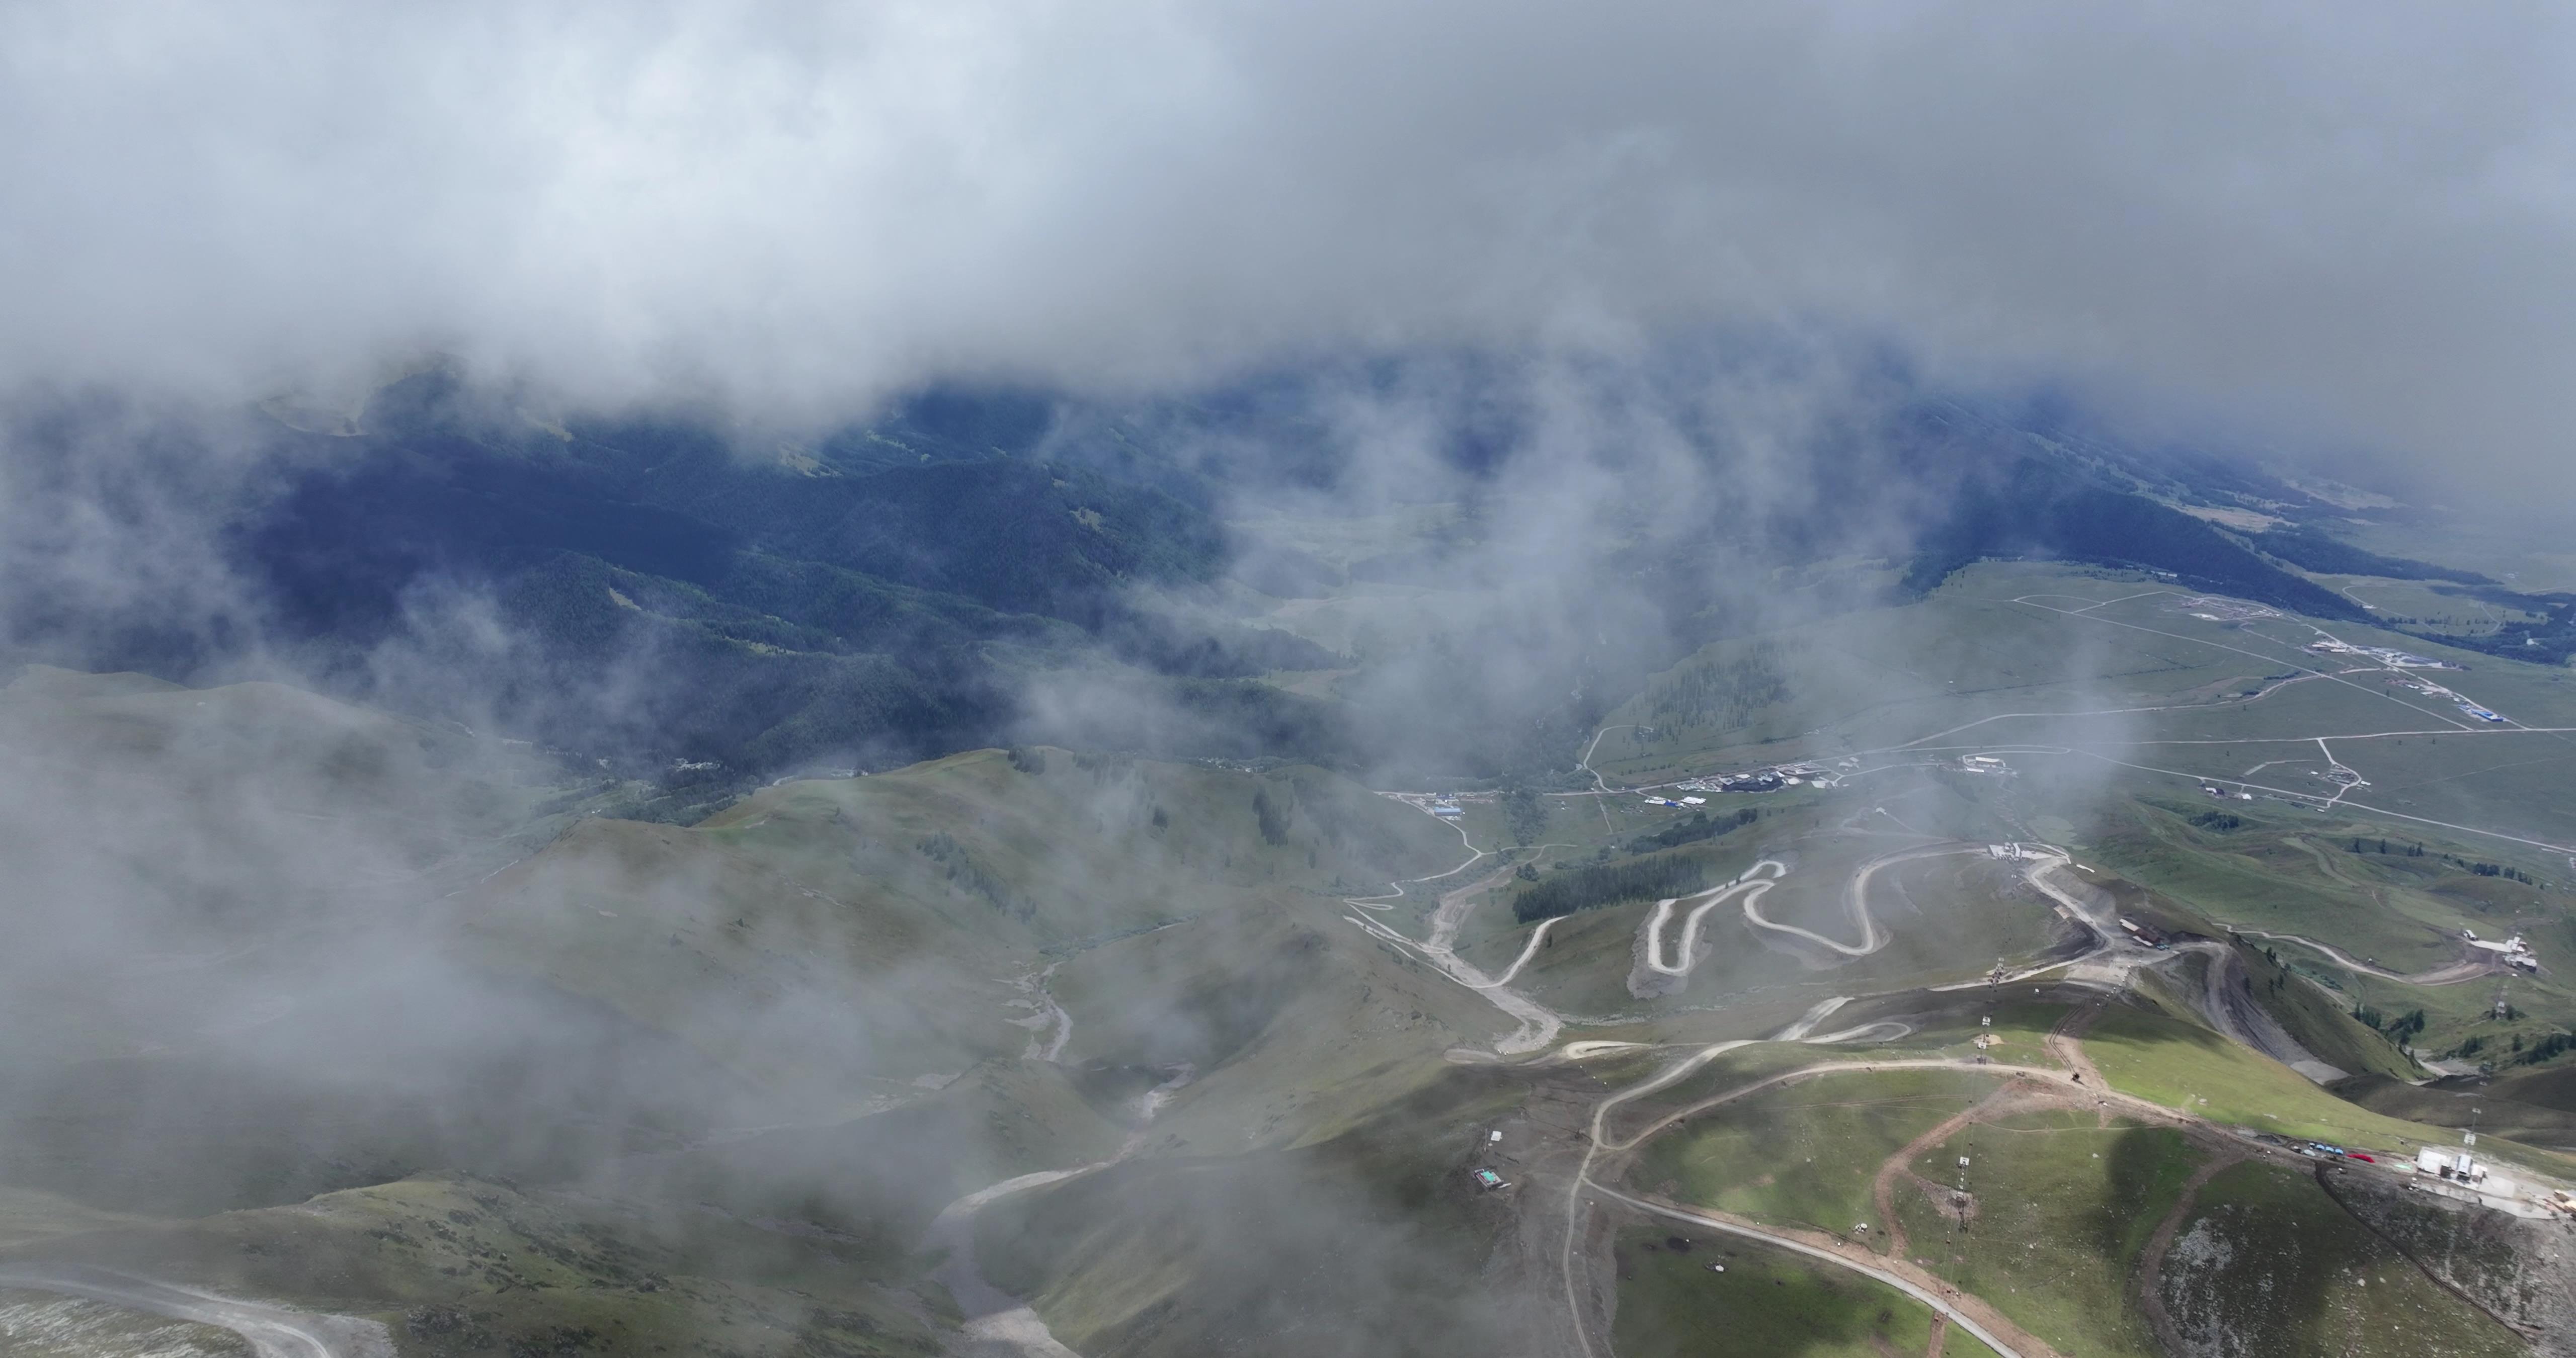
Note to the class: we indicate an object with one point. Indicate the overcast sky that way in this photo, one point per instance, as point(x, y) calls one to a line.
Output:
point(2354, 216)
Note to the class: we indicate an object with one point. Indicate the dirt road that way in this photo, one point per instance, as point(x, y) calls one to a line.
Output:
point(1747, 885)
point(2227, 1000)
point(2466, 969)
point(999, 1323)
point(1941, 1305)
point(273, 1331)
point(1539, 1024)
point(1855, 900)
point(1603, 1152)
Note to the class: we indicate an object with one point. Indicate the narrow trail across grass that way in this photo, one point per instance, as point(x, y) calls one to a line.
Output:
point(1933, 1294)
point(2450, 973)
point(1900, 1164)
point(2151, 1264)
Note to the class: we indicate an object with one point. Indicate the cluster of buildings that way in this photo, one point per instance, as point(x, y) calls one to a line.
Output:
point(2459, 1167)
point(2387, 655)
point(2455, 1174)
point(2147, 934)
point(2433, 690)
point(2225, 610)
point(2455, 1170)
point(1770, 779)
point(2513, 952)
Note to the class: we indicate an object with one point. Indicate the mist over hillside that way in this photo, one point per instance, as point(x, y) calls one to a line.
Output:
point(769, 680)
point(705, 605)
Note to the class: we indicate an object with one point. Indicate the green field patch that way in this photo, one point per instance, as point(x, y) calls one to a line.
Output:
point(1878, 677)
point(1805, 1154)
point(1583, 969)
point(2017, 1037)
point(1727, 1071)
point(2194, 1070)
point(2267, 1263)
point(1767, 1304)
point(2058, 1212)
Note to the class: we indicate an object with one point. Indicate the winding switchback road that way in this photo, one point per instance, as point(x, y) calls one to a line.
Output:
point(1539, 1024)
point(1752, 888)
point(1855, 900)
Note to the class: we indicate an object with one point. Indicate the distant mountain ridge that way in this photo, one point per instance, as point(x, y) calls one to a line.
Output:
point(661, 594)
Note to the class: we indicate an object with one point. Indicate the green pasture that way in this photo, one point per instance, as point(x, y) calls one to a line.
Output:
point(1767, 1304)
point(2060, 1210)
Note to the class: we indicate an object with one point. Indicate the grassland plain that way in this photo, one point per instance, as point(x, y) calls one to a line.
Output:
point(2527, 556)
point(2285, 869)
point(2024, 655)
point(1967, 653)
point(2399, 910)
point(1947, 1026)
point(1804, 1155)
point(2087, 1189)
point(2266, 1263)
point(1767, 1302)
point(2423, 601)
point(1723, 1074)
point(2060, 1207)
point(1181, 926)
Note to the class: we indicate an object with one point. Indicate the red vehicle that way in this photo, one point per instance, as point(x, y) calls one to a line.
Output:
point(2365, 1159)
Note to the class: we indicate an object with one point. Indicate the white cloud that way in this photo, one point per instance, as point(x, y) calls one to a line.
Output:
point(2356, 217)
